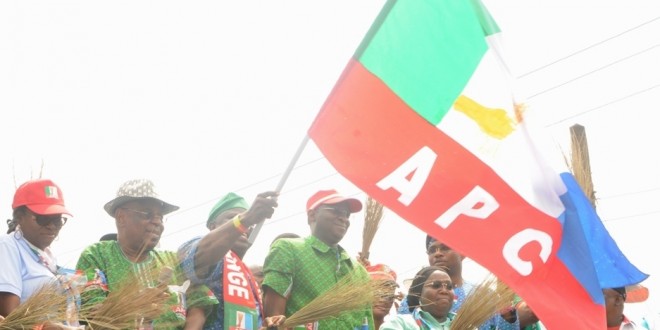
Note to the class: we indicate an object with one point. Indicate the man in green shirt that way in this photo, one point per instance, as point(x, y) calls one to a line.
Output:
point(139, 214)
point(297, 270)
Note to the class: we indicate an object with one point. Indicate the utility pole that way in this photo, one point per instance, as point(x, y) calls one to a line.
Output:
point(580, 162)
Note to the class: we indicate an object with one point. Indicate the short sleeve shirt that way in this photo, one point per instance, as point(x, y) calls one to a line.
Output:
point(301, 269)
point(21, 273)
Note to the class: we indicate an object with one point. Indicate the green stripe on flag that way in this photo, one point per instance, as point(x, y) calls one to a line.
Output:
point(425, 51)
point(488, 24)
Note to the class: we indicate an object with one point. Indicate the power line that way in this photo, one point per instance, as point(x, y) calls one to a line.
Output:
point(593, 71)
point(244, 187)
point(630, 193)
point(631, 216)
point(588, 47)
point(605, 105)
point(181, 211)
point(266, 223)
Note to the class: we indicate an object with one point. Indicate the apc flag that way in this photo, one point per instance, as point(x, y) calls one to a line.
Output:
point(423, 120)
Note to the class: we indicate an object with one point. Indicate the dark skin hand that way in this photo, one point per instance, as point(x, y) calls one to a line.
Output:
point(274, 304)
point(525, 315)
point(213, 247)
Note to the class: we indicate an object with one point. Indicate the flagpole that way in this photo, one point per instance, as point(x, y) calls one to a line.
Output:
point(280, 185)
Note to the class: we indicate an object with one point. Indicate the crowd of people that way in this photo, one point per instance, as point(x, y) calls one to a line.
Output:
point(206, 284)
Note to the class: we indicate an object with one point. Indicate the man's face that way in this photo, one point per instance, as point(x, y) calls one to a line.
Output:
point(242, 244)
point(330, 222)
point(613, 307)
point(441, 255)
point(140, 224)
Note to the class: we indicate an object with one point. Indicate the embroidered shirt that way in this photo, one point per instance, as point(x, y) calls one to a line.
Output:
point(108, 257)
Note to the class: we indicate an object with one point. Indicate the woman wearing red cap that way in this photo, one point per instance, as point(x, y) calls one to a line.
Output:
point(27, 262)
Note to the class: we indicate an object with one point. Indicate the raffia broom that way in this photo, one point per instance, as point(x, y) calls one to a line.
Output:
point(352, 292)
point(124, 306)
point(372, 216)
point(579, 164)
point(46, 304)
point(486, 299)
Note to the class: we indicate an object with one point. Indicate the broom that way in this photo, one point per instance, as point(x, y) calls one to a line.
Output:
point(125, 306)
point(352, 292)
point(46, 304)
point(372, 216)
point(487, 298)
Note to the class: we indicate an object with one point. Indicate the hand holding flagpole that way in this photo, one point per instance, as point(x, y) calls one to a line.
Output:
point(280, 185)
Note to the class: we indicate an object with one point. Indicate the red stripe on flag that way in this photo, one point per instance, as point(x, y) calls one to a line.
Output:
point(367, 132)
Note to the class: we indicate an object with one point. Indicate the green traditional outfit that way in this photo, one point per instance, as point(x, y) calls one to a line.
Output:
point(107, 257)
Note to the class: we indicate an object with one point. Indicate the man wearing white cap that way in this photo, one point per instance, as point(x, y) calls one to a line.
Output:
point(139, 216)
point(297, 270)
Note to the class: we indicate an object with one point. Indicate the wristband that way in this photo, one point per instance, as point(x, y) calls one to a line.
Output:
point(238, 225)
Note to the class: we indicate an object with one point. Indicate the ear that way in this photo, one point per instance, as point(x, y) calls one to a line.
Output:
point(119, 218)
point(311, 217)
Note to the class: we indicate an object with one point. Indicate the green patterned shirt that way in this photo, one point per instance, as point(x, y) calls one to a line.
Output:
point(108, 257)
point(301, 269)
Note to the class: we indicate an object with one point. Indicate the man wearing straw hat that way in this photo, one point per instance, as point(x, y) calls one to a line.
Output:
point(139, 215)
point(215, 260)
point(297, 270)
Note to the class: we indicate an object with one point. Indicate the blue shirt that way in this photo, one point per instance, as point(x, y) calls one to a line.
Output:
point(213, 281)
point(21, 273)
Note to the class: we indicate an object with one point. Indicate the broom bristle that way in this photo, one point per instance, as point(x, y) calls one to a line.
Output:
point(372, 216)
point(484, 301)
point(46, 304)
point(351, 293)
point(125, 306)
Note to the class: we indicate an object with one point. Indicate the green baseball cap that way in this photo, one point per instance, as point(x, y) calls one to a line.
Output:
point(229, 201)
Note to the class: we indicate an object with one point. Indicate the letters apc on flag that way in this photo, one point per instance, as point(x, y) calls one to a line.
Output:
point(423, 120)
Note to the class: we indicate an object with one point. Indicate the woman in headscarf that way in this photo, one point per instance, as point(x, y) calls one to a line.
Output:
point(430, 298)
point(383, 305)
point(27, 262)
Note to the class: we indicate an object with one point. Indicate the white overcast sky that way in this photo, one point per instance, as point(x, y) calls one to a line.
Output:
point(207, 97)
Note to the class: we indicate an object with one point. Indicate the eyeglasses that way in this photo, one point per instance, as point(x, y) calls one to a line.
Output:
point(438, 248)
point(439, 284)
point(45, 220)
point(147, 216)
point(340, 212)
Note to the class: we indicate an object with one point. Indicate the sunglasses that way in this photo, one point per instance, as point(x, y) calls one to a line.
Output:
point(45, 220)
point(436, 285)
point(146, 216)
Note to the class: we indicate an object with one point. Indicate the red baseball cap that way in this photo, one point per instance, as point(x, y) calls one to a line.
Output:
point(332, 197)
point(41, 197)
point(381, 272)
